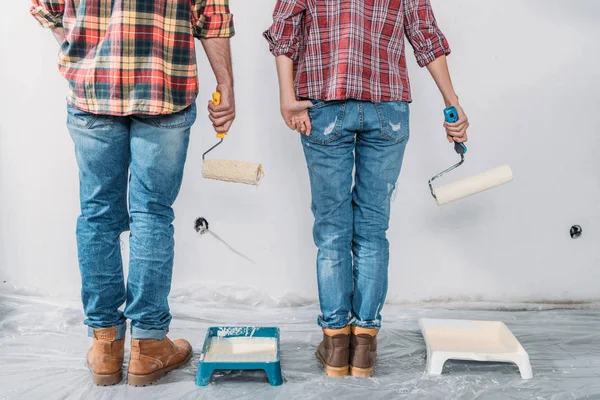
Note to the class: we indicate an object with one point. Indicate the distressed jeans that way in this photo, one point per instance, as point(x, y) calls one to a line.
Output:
point(148, 153)
point(352, 215)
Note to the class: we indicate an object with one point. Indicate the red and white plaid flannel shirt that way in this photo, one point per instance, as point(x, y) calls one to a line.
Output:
point(124, 57)
point(354, 48)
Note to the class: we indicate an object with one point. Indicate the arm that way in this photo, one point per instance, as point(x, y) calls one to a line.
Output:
point(49, 14)
point(284, 38)
point(431, 48)
point(294, 112)
point(212, 23)
point(455, 132)
point(218, 52)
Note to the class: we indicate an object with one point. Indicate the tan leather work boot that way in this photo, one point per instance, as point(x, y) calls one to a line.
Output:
point(152, 359)
point(334, 351)
point(105, 357)
point(363, 351)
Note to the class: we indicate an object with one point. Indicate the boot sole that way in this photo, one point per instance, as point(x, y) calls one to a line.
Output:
point(333, 372)
point(362, 372)
point(145, 380)
point(106, 380)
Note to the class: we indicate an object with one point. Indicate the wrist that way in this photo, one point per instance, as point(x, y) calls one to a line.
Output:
point(288, 106)
point(287, 100)
point(451, 100)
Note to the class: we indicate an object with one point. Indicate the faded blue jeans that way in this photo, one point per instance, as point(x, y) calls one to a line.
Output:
point(351, 221)
point(149, 153)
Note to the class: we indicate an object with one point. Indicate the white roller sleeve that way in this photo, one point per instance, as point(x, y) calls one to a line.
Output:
point(233, 171)
point(473, 185)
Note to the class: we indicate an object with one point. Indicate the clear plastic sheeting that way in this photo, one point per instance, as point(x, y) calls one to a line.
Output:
point(43, 345)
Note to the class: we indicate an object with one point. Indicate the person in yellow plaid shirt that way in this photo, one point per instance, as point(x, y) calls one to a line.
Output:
point(131, 68)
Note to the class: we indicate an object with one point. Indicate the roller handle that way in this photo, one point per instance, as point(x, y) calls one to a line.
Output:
point(216, 99)
point(451, 116)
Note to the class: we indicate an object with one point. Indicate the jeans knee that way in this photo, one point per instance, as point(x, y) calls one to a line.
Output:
point(332, 241)
point(371, 230)
point(153, 216)
point(103, 220)
point(369, 244)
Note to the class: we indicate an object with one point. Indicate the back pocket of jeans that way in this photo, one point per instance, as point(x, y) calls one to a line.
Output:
point(394, 117)
point(326, 121)
point(183, 118)
point(85, 120)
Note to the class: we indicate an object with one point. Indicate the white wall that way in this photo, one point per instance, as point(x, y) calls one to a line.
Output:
point(527, 73)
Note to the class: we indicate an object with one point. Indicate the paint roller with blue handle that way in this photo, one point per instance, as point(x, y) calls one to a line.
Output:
point(467, 187)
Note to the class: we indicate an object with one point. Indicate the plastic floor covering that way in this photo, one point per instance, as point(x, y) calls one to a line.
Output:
point(43, 345)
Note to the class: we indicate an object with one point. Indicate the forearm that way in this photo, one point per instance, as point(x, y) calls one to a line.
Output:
point(441, 75)
point(218, 52)
point(285, 74)
point(455, 131)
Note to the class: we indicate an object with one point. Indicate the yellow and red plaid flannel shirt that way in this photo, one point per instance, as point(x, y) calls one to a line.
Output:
point(124, 57)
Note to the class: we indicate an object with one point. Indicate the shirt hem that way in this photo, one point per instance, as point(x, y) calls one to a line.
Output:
point(135, 111)
point(369, 98)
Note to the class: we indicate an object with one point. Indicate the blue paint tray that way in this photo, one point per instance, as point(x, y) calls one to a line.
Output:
point(240, 348)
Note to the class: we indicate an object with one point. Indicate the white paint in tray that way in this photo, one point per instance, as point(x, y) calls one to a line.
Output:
point(241, 349)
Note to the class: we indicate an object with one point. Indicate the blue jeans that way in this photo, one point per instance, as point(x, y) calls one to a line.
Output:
point(149, 153)
point(351, 221)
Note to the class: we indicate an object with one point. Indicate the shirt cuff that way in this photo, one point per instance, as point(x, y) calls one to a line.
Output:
point(214, 26)
point(426, 57)
point(46, 18)
point(288, 48)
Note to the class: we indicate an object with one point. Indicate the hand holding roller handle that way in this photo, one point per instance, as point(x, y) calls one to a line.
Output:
point(451, 116)
point(216, 98)
point(456, 124)
point(222, 114)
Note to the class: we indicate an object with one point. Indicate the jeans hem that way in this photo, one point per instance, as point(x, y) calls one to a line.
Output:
point(325, 325)
point(367, 324)
point(121, 330)
point(143, 334)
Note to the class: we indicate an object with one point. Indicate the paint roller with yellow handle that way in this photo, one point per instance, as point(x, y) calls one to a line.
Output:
point(467, 187)
point(230, 170)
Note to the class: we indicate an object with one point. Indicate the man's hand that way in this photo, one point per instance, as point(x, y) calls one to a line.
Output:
point(295, 115)
point(457, 131)
point(59, 35)
point(222, 116)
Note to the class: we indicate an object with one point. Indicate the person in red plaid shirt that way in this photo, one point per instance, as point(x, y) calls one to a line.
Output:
point(131, 68)
point(344, 86)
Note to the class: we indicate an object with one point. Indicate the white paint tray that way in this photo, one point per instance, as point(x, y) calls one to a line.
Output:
point(488, 341)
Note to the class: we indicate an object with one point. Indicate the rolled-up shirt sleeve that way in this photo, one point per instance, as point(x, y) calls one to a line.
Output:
point(49, 13)
point(285, 35)
point(423, 33)
point(212, 19)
